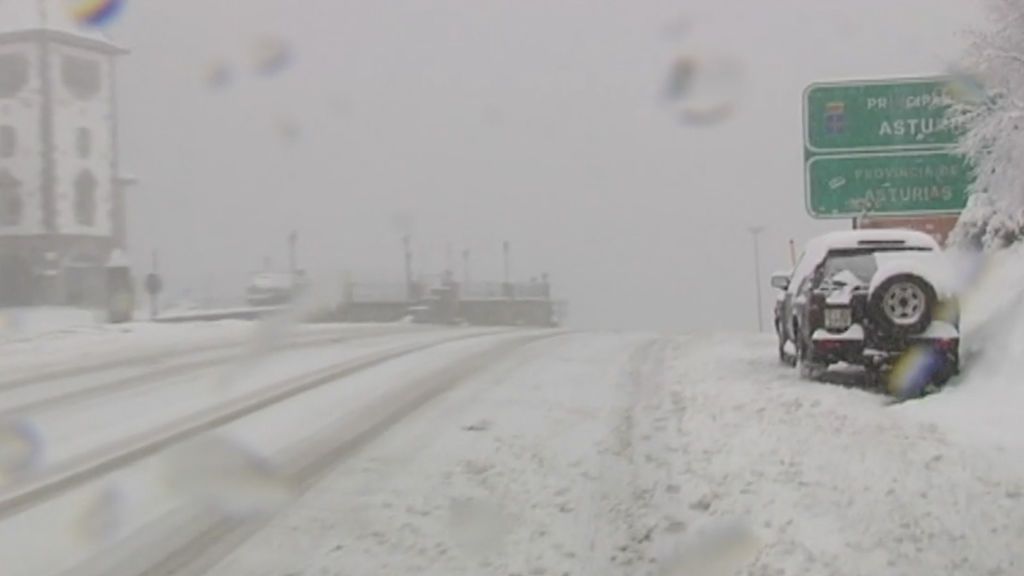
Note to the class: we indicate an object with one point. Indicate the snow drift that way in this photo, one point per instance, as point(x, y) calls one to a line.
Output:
point(986, 403)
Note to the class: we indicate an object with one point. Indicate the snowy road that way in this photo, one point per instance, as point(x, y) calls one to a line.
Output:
point(608, 454)
point(107, 352)
point(530, 454)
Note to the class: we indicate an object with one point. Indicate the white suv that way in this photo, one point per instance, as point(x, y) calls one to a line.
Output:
point(868, 297)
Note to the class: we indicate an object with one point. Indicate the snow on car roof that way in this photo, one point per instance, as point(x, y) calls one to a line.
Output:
point(852, 239)
point(271, 281)
point(819, 247)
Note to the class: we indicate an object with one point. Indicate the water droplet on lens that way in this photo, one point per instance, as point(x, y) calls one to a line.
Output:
point(479, 527)
point(21, 449)
point(721, 548)
point(100, 522)
point(223, 475)
point(271, 55)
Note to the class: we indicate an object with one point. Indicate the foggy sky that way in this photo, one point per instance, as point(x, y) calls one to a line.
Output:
point(536, 121)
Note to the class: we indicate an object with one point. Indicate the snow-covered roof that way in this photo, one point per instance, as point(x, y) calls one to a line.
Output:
point(53, 16)
point(271, 281)
point(852, 239)
point(818, 248)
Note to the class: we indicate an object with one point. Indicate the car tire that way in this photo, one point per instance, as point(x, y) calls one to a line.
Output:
point(784, 358)
point(902, 305)
point(789, 360)
point(782, 344)
point(809, 369)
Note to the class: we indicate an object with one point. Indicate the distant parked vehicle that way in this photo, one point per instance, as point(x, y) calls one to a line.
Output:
point(867, 297)
point(275, 288)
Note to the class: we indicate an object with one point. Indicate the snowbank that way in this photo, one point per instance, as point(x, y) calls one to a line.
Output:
point(986, 404)
point(56, 343)
point(22, 322)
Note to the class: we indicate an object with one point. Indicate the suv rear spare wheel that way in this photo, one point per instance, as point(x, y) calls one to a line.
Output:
point(903, 304)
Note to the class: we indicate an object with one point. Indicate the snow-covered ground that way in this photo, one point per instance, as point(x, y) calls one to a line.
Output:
point(534, 453)
point(986, 405)
point(72, 341)
point(608, 454)
point(68, 432)
point(56, 534)
point(18, 323)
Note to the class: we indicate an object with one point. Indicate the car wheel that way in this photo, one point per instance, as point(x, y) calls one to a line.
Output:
point(809, 368)
point(902, 304)
point(787, 358)
point(810, 371)
point(782, 344)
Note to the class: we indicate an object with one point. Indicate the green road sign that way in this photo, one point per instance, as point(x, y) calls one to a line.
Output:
point(907, 183)
point(877, 115)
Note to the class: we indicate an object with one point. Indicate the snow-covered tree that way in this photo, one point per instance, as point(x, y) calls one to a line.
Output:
point(993, 121)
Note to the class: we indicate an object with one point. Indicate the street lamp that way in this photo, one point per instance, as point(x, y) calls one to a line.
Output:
point(755, 235)
point(410, 288)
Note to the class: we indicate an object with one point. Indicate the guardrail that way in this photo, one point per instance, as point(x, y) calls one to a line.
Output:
point(216, 315)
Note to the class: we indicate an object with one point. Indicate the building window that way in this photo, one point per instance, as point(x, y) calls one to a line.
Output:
point(13, 74)
point(83, 142)
point(81, 76)
point(85, 199)
point(10, 200)
point(8, 141)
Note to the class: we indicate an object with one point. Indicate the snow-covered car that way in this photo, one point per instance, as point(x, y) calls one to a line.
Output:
point(867, 297)
point(274, 289)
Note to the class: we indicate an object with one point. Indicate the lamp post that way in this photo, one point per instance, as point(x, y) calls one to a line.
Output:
point(755, 234)
point(410, 287)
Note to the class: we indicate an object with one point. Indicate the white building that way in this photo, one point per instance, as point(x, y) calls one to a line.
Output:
point(62, 203)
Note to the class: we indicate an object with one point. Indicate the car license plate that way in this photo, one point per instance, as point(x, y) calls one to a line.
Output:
point(838, 318)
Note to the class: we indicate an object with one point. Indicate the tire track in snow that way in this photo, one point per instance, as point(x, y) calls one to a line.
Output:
point(615, 496)
point(164, 354)
point(94, 465)
point(526, 454)
point(495, 478)
point(638, 486)
point(182, 364)
point(200, 541)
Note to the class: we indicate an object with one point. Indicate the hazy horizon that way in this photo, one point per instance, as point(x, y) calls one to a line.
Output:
point(540, 124)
